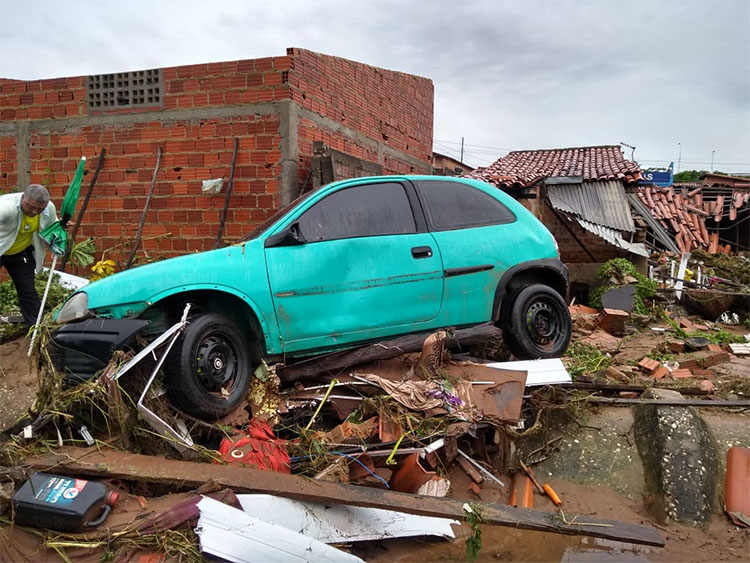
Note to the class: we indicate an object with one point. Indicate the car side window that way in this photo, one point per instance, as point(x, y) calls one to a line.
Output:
point(453, 205)
point(359, 211)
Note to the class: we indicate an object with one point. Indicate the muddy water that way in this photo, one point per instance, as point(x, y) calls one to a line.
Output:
point(508, 544)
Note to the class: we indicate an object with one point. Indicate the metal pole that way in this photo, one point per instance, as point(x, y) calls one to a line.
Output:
point(41, 307)
point(462, 150)
point(712, 160)
point(679, 158)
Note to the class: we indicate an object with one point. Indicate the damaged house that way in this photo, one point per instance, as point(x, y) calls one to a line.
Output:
point(713, 214)
point(580, 194)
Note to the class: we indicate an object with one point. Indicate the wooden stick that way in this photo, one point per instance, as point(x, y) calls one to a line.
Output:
point(84, 205)
point(183, 475)
point(337, 362)
point(145, 210)
point(228, 195)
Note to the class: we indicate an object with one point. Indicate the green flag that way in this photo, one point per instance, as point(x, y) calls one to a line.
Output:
point(55, 234)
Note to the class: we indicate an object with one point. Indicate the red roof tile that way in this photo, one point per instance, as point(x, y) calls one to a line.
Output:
point(524, 168)
point(682, 209)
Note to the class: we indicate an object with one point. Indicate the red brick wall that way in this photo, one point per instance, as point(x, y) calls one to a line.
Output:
point(8, 172)
point(388, 107)
point(374, 106)
point(192, 151)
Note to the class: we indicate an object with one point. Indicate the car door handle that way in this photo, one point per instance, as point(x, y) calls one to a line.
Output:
point(421, 252)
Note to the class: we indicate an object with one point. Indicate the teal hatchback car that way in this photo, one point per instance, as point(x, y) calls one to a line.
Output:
point(352, 262)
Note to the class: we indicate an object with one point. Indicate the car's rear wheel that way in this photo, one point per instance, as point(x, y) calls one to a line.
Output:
point(537, 323)
point(208, 372)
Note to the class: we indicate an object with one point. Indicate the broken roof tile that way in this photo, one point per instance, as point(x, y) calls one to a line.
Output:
point(524, 168)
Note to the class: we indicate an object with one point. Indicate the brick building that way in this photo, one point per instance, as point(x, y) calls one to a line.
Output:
point(276, 107)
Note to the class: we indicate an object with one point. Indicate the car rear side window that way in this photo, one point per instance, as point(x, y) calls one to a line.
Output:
point(453, 205)
point(359, 211)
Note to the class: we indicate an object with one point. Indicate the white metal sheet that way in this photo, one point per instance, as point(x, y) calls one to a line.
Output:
point(236, 536)
point(539, 372)
point(343, 523)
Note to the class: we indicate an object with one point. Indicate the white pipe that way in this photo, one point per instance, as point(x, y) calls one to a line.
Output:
point(41, 308)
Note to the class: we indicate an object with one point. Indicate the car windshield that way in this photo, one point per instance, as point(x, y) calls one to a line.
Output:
point(262, 227)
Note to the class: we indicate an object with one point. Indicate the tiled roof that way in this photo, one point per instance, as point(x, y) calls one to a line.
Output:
point(524, 168)
point(684, 211)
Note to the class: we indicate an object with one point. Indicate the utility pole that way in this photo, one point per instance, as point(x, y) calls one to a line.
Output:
point(712, 160)
point(679, 158)
point(462, 150)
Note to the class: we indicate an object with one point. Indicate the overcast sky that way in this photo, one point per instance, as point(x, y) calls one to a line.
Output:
point(662, 75)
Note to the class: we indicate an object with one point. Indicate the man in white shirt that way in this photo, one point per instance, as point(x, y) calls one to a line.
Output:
point(22, 217)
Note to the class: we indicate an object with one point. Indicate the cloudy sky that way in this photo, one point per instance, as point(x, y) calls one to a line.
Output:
point(670, 77)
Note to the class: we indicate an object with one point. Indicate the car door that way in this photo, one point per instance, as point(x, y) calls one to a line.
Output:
point(360, 269)
point(477, 237)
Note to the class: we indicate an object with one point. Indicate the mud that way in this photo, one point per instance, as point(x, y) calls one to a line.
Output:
point(18, 384)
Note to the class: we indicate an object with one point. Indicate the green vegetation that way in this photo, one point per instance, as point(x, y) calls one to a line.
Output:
point(613, 274)
point(474, 518)
point(584, 359)
point(693, 175)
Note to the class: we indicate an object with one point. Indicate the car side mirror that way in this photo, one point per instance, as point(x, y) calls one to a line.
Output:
point(290, 236)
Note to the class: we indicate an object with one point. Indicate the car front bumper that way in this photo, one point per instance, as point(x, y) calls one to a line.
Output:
point(80, 350)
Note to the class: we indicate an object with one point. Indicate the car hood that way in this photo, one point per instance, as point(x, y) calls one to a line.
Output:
point(222, 268)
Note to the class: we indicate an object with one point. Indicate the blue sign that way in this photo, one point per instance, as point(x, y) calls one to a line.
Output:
point(662, 178)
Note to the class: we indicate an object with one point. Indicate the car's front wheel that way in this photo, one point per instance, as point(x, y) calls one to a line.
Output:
point(538, 323)
point(208, 372)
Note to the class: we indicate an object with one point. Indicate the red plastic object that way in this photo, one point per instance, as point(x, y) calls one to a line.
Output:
point(410, 475)
point(257, 447)
point(738, 486)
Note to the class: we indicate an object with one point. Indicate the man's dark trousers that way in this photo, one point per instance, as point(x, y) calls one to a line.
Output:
point(20, 267)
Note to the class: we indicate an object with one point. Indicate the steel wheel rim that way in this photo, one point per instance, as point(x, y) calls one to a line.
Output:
point(544, 323)
point(216, 363)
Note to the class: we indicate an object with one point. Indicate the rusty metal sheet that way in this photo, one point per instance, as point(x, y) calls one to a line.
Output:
point(496, 393)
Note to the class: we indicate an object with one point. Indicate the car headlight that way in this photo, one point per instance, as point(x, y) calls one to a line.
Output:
point(77, 307)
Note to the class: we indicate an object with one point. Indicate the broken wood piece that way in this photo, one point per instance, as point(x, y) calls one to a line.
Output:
point(530, 473)
point(482, 469)
point(470, 471)
point(340, 361)
point(185, 474)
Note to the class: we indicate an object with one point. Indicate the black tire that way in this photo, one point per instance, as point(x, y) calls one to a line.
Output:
point(209, 369)
point(539, 324)
point(504, 322)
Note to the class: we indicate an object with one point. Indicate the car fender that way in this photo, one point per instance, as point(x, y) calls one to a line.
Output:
point(267, 326)
point(550, 271)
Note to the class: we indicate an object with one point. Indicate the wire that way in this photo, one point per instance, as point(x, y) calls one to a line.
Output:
point(342, 454)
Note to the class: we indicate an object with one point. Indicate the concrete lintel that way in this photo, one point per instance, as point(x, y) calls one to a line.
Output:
point(193, 114)
point(380, 148)
point(289, 132)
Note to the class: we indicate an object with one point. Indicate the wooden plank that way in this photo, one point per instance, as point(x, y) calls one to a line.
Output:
point(92, 462)
point(333, 364)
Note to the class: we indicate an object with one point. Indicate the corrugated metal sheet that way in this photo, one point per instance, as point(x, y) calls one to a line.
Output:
point(658, 231)
point(601, 203)
point(614, 237)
